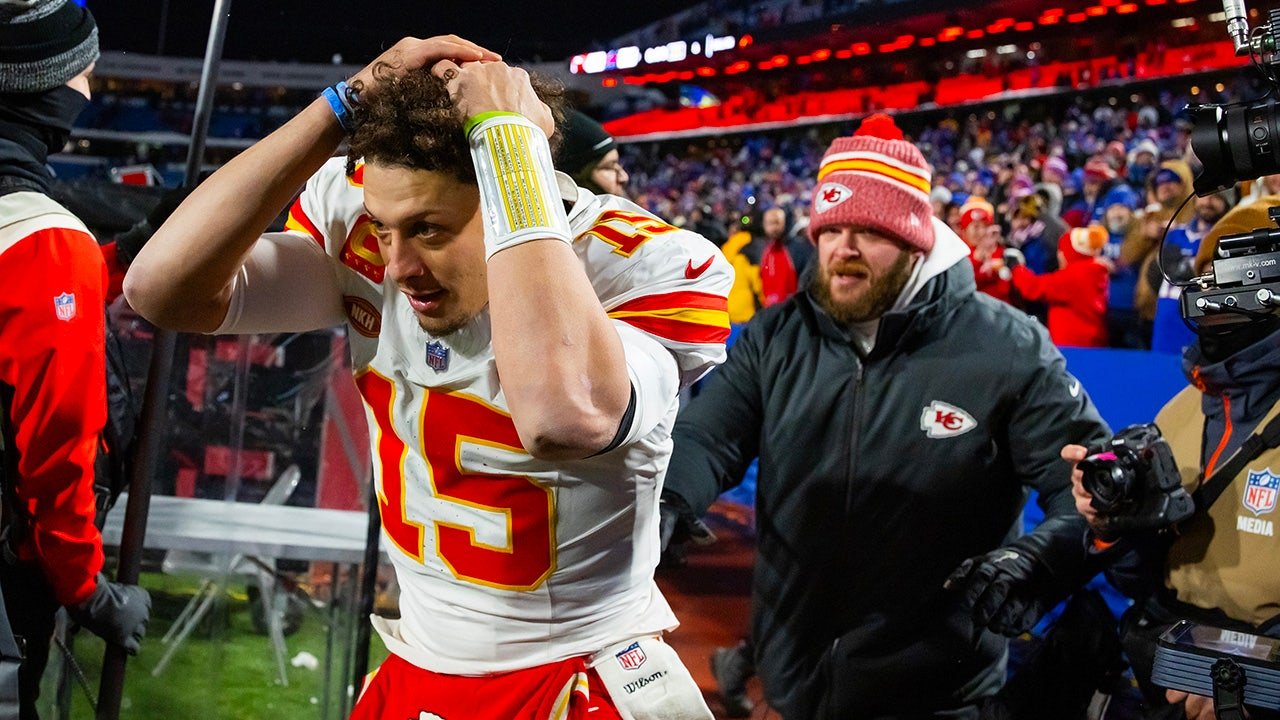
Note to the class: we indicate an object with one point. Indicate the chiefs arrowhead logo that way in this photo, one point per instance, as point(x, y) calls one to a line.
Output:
point(829, 195)
point(941, 420)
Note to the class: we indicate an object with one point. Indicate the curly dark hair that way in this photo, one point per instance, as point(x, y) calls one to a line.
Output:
point(412, 123)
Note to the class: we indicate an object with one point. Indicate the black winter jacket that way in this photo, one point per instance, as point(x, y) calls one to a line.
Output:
point(878, 476)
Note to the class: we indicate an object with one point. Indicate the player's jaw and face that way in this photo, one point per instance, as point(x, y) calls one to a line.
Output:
point(860, 272)
point(432, 240)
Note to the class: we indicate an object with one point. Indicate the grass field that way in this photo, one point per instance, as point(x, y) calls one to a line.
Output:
point(224, 671)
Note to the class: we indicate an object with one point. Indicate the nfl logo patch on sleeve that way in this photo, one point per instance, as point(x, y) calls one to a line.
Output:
point(632, 657)
point(65, 306)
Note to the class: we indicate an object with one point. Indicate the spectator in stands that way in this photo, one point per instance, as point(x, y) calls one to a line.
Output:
point(1169, 333)
point(986, 252)
point(1262, 187)
point(1034, 231)
point(1076, 293)
point(53, 397)
point(1098, 179)
point(1124, 326)
point(1218, 567)
point(1142, 160)
point(1170, 185)
point(1139, 250)
point(940, 198)
point(889, 346)
point(1055, 170)
point(782, 261)
point(589, 155)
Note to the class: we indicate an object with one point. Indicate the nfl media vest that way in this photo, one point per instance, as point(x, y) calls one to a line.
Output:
point(1225, 559)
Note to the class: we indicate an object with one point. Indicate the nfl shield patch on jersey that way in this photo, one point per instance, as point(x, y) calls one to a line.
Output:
point(65, 306)
point(632, 657)
point(1260, 491)
point(437, 356)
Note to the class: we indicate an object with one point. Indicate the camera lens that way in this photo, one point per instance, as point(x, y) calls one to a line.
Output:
point(1234, 144)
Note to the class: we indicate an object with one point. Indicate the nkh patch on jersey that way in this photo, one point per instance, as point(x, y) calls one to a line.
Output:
point(65, 306)
point(943, 420)
point(632, 658)
point(1260, 491)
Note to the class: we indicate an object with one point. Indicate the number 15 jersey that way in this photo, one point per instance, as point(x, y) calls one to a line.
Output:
point(506, 561)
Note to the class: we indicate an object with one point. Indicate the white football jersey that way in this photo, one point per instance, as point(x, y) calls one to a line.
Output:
point(506, 561)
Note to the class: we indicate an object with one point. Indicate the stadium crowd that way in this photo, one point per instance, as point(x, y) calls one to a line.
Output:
point(1020, 179)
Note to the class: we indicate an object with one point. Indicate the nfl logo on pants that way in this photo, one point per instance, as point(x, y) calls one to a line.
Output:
point(631, 658)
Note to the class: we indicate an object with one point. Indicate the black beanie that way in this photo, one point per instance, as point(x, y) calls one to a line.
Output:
point(584, 141)
point(44, 43)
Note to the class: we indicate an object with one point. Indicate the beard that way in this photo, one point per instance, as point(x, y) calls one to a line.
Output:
point(874, 300)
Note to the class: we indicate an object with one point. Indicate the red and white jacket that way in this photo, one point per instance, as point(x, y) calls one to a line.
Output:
point(52, 356)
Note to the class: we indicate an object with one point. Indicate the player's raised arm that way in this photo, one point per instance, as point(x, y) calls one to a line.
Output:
point(562, 365)
point(182, 278)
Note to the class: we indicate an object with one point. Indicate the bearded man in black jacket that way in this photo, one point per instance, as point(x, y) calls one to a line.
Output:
point(900, 419)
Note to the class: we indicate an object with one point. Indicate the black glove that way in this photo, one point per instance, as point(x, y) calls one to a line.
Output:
point(1009, 588)
point(1003, 588)
point(678, 525)
point(129, 243)
point(116, 613)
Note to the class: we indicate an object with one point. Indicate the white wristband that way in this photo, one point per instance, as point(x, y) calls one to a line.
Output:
point(519, 198)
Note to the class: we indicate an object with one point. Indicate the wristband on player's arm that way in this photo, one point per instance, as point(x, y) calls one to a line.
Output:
point(519, 199)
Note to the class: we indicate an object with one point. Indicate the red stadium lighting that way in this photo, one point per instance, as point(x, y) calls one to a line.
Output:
point(1077, 17)
point(706, 72)
point(950, 33)
point(686, 75)
point(804, 60)
point(1050, 19)
point(861, 49)
point(1049, 12)
point(632, 80)
point(1024, 26)
point(745, 40)
point(766, 65)
point(975, 34)
point(887, 47)
point(610, 82)
point(779, 60)
point(1157, 2)
point(1095, 11)
point(844, 54)
point(928, 42)
point(1126, 8)
point(820, 55)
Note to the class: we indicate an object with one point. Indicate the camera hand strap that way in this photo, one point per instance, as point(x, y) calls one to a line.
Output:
point(1265, 439)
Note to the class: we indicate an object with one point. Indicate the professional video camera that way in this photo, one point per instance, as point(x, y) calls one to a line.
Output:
point(1240, 142)
point(1135, 483)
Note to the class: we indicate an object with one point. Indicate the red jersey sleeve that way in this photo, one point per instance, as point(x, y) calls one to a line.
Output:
point(52, 355)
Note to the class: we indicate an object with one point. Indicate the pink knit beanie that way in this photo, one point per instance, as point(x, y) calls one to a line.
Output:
point(876, 180)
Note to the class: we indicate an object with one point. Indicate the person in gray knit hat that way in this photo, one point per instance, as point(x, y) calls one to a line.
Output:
point(53, 396)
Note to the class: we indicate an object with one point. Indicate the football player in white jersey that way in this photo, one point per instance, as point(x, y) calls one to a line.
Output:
point(519, 343)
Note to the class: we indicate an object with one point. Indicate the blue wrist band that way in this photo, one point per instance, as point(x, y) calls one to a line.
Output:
point(333, 95)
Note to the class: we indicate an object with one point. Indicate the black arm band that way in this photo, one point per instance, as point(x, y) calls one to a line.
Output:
point(624, 427)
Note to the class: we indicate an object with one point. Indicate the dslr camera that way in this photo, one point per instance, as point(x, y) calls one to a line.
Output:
point(1135, 483)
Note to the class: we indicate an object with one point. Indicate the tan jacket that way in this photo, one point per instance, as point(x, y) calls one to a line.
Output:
point(1229, 559)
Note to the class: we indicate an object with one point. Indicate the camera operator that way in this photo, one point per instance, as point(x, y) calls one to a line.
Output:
point(1217, 567)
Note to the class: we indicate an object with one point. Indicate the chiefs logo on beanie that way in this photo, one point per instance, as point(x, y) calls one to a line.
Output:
point(876, 180)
